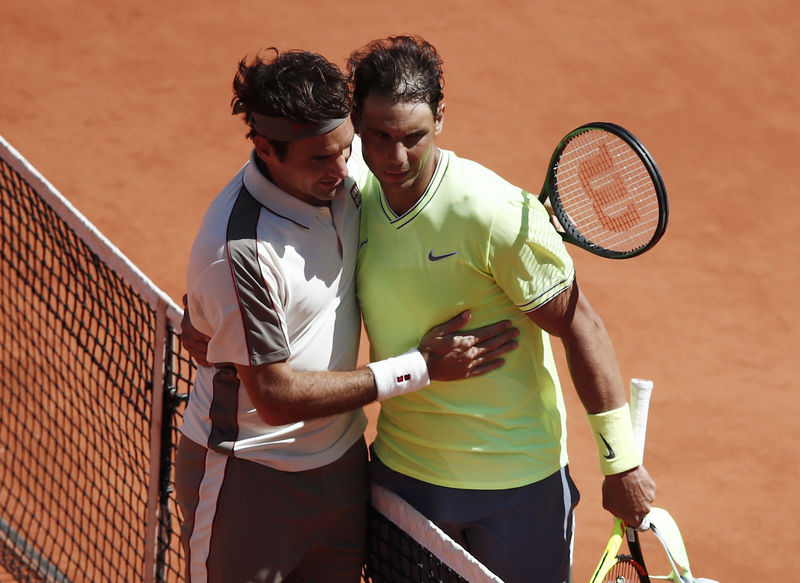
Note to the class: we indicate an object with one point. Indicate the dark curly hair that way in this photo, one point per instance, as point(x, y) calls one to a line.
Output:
point(302, 86)
point(406, 68)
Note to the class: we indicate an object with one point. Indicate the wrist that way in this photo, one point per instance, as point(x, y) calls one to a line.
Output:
point(616, 445)
point(400, 374)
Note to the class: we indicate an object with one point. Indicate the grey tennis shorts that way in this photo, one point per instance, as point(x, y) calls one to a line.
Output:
point(246, 522)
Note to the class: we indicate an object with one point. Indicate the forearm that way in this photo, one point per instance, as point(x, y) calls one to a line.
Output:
point(628, 489)
point(283, 396)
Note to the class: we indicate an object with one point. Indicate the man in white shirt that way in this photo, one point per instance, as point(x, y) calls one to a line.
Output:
point(271, 468)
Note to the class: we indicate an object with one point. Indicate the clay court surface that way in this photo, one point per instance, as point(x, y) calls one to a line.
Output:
point(124, 107)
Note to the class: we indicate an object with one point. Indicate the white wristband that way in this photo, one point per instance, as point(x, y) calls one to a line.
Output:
point(400, 374)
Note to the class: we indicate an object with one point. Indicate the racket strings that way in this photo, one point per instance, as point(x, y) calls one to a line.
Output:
point(625, 570)
point(606, 191)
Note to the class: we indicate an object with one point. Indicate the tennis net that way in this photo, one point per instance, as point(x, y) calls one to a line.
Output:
point(405, 547)
point(92, 389)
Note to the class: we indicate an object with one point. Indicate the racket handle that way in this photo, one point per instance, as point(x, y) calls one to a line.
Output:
point(641, 390)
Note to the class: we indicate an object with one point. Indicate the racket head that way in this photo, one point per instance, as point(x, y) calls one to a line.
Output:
point(611, 553)
point(606, 191)
point(625, 570)
point(617, 567)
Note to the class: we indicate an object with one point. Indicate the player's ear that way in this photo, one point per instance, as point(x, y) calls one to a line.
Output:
point(355, 119)
point(438, 119)
point(263, 148)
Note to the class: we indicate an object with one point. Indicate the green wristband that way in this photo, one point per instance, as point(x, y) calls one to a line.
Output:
point(616, 446)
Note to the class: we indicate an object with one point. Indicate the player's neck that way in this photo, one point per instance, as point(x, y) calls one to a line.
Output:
point(402, 200)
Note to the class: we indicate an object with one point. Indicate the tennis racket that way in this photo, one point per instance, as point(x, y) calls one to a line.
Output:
point(614, 566)
point(606, 191)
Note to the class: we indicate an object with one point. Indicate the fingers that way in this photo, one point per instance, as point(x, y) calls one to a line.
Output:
point(486, 367)
point(484, 347)
point(194, 341)
point(638, 518)
point(489, 358)
point(503, 338)
point(493, 353)
point(556, 223)
point(453, 324)
point(453, 327)
point(196, 349)
point(487, 333)
point(454, 353)
point(486, 359)
point(629, 495)
point(186, 323)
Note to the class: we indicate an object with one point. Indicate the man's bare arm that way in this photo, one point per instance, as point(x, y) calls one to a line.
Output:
point(282, 395)
point(595, 373)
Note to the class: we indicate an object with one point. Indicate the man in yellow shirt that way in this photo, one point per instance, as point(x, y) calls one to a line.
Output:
point(487, 462)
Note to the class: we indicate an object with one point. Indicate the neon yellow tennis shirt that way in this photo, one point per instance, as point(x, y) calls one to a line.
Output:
point(472, 241)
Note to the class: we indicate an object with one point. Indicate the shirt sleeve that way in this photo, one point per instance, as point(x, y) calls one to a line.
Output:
point(216, 312)
point(527, 255)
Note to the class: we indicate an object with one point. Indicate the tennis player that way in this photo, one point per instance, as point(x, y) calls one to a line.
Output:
point(271, 467)
point(487, 463)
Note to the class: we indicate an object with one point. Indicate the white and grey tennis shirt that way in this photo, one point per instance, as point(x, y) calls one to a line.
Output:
point(271, 278)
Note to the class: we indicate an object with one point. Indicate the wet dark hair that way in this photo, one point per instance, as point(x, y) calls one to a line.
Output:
point(299, 85)
point(405, 68)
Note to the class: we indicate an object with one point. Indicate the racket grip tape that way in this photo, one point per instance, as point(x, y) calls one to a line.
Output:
point(641, 390)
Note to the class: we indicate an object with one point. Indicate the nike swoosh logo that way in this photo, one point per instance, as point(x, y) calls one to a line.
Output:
point(362, 243)
point(432, 257)
point(611, 455)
